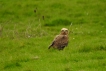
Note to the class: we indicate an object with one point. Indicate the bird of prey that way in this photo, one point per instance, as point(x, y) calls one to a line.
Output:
point(61, 40)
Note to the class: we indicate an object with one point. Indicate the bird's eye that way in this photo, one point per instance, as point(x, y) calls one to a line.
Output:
point(66, 30)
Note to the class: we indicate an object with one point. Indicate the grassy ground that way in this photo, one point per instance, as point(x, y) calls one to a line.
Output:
point(27, 27)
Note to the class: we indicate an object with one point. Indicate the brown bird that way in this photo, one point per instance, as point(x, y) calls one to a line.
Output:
point(61, 40)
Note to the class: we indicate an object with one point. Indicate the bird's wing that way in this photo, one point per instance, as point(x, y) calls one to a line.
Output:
point(55, 39)
point(62, 40)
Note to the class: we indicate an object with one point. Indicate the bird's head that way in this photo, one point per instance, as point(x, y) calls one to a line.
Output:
point(64, 31)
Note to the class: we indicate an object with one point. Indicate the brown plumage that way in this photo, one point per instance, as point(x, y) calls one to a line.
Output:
point(61, 40)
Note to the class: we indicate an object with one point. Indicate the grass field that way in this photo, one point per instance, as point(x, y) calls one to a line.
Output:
point(27, 27)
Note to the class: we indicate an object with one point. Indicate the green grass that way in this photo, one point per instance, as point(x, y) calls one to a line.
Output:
point(25, 35)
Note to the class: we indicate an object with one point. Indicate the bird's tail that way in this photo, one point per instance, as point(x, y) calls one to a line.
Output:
point(49, 47)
